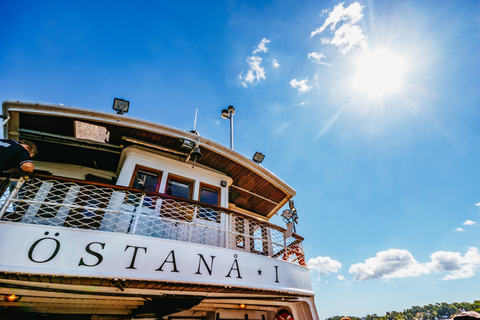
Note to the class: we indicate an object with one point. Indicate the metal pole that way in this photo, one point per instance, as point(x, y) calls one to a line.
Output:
point(231, 130)
point(10, 197)
point(228, 114)
point(4, 122)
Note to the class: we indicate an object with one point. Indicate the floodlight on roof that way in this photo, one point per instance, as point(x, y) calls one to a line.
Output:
point(258, 157)
point(120, 105)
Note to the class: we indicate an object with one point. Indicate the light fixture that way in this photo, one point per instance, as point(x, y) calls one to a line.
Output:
point(12, 298)
point(258, 157)
point(228, 114)
point(242, 306)
point(120, 105)
point(225, 114)
point(187, 144)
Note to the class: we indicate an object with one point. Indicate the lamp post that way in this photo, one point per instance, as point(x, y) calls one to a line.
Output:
point(228, 114)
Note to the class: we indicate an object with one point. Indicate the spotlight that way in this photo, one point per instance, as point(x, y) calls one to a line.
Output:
point(258, 157)
point(120, 105)
point(187, 144)
point(242, 306)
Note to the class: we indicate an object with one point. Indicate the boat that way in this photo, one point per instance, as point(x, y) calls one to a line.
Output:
point(125, 218)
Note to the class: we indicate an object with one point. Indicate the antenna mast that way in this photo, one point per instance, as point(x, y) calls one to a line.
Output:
point(195, 122)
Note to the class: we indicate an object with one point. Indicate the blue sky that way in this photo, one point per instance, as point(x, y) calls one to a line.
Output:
point(386, 170)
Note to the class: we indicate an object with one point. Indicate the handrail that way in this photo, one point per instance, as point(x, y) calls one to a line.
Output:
point(151, 193)
point(72, 203)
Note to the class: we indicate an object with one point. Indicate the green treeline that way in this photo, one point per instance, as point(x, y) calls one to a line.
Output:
point(429, 312)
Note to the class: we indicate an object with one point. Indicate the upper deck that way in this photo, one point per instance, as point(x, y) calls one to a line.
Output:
point(113, 196)
point(97, 143)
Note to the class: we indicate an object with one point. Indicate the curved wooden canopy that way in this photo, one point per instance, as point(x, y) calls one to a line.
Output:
point(254, 188)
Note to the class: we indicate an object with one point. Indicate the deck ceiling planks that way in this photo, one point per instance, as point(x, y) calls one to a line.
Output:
point(242, 176)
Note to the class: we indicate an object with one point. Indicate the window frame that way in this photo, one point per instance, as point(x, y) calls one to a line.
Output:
point(209, 186)
point(148, 170)
point(180, 179)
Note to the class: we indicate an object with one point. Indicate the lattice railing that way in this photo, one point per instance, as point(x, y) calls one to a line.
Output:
point(77, 204)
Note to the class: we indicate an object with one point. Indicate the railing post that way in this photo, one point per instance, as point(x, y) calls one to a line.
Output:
point(136, 212)
point(227, 224)
point(10, 197)
point(248, 239)
point(232, 231)
point(193, 225)
point(269, 242)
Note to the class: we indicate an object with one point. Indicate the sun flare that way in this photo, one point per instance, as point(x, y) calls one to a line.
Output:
point(379, 73)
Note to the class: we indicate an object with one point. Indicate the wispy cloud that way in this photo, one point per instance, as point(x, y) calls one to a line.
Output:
point(343, 23)
point(275, 64)
point(301, 85)
point(324, 265)
point(458, 229)
point(317, 57)
point(261, 47)
point(469, 223)
point(397, 263)
point(477, 204)
point(256, 72)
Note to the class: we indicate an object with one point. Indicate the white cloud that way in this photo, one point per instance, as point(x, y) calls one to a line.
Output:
point(256, 72)
point(317, 57)
point(301, 85)
point(346, 37)
point(393, 263)
point(261, 47)
point(397, 263)
point(477, 204)
point(348, 34)
point(324, 265)
point(340, 277)
point(453, 262)
point(275, 64)
point(458, 229)
point(469, 223)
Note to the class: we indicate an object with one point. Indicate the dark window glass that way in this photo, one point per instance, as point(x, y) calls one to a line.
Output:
point(178, 189)
point(147, 181)
point(209, 195)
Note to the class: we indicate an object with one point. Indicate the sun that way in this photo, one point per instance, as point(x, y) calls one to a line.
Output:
point(379, 73)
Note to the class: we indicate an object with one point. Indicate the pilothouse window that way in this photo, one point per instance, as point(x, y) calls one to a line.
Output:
point(146, 179)
point(179, 187)
point(209, 195)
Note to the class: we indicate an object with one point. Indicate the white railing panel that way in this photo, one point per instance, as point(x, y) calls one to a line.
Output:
point(97, 207)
